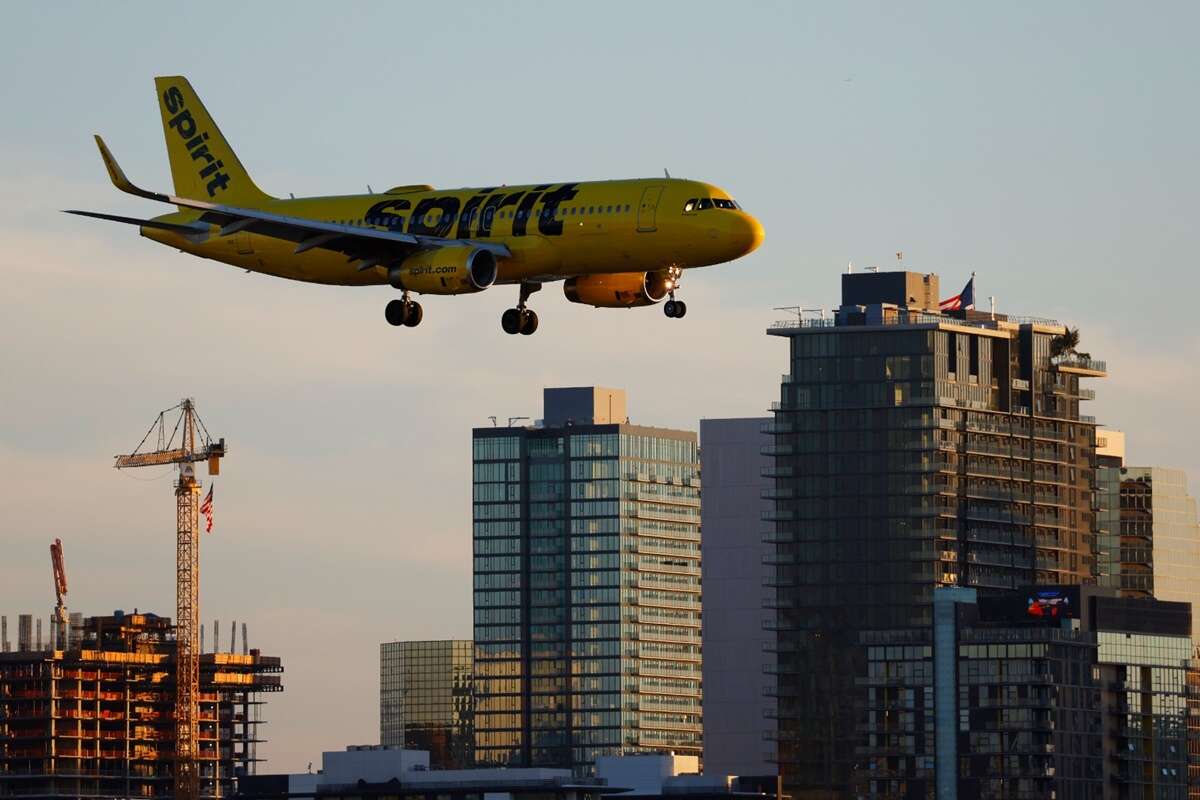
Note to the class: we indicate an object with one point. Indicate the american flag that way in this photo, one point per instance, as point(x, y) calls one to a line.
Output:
point(206, 508)
point(964, 300)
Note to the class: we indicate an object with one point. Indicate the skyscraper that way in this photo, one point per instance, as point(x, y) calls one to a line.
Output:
point(587, 586)
point(427, 699)
point(912, 449)
point(736, 680)
point(1150, 533)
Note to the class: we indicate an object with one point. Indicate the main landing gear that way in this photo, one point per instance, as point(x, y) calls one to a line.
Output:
point(521, 320)
point(404, 312)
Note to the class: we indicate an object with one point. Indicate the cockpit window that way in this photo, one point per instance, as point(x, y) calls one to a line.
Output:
point(704, 203)
point(720, 203)
point(690, 205)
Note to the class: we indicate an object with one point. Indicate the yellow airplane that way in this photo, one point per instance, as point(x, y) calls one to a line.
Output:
point(615, 244)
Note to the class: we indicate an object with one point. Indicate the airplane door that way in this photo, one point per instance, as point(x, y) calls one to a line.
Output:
point(647, 208)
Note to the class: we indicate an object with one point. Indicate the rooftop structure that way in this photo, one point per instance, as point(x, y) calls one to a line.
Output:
point(99, 720)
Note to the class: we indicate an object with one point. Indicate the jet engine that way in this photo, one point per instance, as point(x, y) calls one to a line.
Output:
point(445, 270)
point(619, 290)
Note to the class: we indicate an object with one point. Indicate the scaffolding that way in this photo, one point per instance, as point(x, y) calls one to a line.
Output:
point(98, 721)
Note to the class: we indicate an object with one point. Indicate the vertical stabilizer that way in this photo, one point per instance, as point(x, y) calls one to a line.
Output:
point(203, 165)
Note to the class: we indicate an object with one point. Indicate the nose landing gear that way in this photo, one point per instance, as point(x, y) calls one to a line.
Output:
point(673, 308)
point(521, 320)
point(404, 312)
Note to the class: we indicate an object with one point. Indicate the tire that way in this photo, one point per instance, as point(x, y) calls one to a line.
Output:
point(510, 321)
point(669, 308)
point(396, 312)
point(529, 322)
point(415, 315)
point(680, 309)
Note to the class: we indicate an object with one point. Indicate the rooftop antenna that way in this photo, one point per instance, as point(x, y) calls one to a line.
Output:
point(511, 420)
point(900, 256)
point(872, 269)
point(797, 310)
point(493, 419)
point(245, 646)
point(849, 267)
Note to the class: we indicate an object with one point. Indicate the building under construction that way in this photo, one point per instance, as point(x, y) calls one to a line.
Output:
point(97, 720)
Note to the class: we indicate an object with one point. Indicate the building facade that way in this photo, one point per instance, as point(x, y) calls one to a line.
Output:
point(912, 450)
point(586, 586)
point(427, 699)
point(737, 639)
point(98, 721)
point(1067, 692)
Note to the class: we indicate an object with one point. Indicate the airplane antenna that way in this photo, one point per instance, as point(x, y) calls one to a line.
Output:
point(291, 195)
point(369, 189)
point(665, 172)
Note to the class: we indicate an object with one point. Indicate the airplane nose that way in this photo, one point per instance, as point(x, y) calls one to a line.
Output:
point(748, 233)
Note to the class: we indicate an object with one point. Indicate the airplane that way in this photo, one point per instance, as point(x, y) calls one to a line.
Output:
point(614, 244)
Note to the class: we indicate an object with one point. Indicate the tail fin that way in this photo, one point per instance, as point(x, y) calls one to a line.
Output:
point(203, 164)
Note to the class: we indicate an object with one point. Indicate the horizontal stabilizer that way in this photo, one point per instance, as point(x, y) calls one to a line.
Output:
point(187, 230)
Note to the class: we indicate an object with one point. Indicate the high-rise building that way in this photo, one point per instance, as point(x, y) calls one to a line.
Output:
point(427, 699)
point(912, 449)
point(99, 720)
point(1064, 692)
point(1149, 532)
point(587, 586)
point(737, 639)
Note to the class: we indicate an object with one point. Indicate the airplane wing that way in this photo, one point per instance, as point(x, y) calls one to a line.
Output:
point(369, 246)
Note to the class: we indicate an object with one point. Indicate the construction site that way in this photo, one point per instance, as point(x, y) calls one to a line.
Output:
point(97, 718)
point(131, 705)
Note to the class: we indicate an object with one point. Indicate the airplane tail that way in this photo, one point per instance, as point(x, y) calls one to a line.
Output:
point(203, 165)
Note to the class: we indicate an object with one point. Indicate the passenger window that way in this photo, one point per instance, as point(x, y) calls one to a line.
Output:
point(608, 210)
point(626, 208)
point(591, 209)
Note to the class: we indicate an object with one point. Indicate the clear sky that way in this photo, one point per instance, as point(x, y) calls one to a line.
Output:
point(1048, 147)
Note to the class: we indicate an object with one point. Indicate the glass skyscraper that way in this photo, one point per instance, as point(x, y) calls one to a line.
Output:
point(912, 449)
point(586, 586)
point(427, 700)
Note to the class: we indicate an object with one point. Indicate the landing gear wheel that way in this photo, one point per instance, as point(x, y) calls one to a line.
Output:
point(416, 314)
point(510, 321)
point(396, 312)
point(680, 309)
point(529, 322)
point(674, 308)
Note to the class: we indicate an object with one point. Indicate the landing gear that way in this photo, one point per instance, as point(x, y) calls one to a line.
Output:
point(404, 312)
point(521, 320)
point(675, 308)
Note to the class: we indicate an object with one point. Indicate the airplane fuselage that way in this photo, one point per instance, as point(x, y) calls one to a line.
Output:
point(552, 230)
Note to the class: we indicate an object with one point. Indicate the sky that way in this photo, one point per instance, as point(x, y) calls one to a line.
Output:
point(1050, 148)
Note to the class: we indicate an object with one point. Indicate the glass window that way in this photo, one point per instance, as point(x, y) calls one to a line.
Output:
point(704, 203)
point(690, 205)
point(720, 203)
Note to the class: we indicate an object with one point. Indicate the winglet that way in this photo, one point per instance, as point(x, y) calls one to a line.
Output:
point(117, 175)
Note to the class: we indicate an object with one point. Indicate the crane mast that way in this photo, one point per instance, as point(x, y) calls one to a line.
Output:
point(60, 593)
point(194, 444)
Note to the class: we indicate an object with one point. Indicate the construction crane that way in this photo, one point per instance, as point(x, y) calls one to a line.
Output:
point(60, 592)
point(188, 443)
